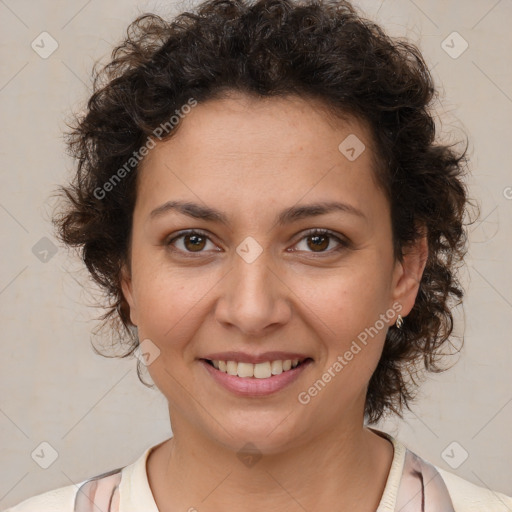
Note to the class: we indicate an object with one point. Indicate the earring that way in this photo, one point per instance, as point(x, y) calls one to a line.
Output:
point(399, 321)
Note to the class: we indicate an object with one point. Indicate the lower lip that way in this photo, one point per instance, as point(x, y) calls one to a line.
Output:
point(251, 386)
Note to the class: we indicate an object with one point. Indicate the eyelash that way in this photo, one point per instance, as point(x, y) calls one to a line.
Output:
point(343, 244)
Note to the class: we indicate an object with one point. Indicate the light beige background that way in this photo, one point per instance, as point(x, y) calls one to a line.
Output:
point(93, 411)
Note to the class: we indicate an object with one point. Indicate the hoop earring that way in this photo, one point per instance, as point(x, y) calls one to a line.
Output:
point(399, 321)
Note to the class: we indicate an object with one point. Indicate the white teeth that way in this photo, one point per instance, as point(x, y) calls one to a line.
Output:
point(276, 367)
point(258, 371)
point(262, 370)
point(231, 367)
point(242, 369)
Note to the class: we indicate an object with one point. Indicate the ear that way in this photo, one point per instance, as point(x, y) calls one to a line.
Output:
point(407, 274)
point(127, 288)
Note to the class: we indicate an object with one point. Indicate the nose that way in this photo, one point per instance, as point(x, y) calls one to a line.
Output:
point(254, 298)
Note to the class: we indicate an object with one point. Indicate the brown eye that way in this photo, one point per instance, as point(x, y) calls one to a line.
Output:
point(195, 242)
point(192, 242)
point(318, 240)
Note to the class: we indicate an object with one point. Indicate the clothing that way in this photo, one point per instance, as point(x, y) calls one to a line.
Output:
point(413, 485)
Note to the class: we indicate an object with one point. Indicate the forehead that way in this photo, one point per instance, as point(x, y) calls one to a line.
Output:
point(248, 151)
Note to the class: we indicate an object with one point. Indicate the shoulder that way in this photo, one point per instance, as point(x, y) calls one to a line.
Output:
point(416, 484)
point(100, 491)
point(126, 488)
point(56, 500)
point(468, 497)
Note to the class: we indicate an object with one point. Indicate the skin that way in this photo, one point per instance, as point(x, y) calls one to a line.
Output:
point(252, 158)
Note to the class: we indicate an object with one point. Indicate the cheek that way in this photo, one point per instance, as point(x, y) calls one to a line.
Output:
point(171, 309)
point(171, 302)
point(350, 313)
point(347, 300)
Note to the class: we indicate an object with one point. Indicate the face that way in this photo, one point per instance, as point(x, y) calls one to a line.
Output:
point(257, 280)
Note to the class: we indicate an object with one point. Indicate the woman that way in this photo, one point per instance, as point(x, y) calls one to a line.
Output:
point(260, 191)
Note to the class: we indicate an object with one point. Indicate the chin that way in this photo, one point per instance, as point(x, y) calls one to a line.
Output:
point(271, 436)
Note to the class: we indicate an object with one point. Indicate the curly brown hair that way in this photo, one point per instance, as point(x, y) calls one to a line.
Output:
point(313, 48)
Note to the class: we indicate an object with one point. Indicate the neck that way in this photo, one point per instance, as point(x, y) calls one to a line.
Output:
point(331, 471)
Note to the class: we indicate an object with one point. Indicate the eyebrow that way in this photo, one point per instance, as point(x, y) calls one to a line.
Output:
point(289, 215)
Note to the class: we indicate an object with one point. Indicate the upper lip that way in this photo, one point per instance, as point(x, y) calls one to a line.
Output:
point(243, 357)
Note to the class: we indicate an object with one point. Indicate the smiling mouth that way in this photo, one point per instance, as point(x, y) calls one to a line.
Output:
point(262, 370)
